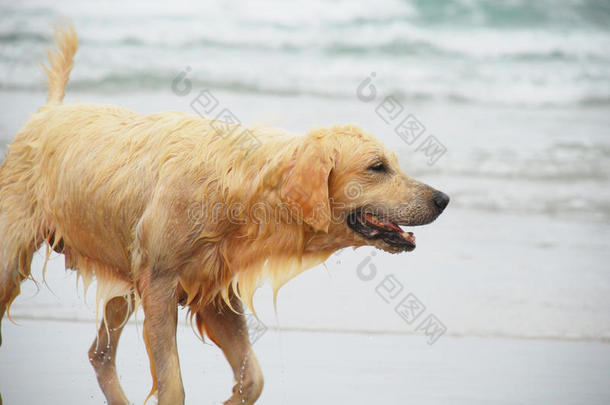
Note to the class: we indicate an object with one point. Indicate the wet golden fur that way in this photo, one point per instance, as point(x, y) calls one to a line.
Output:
point(129, 198)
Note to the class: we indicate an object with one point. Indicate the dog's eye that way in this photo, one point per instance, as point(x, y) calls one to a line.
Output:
point(378, 167)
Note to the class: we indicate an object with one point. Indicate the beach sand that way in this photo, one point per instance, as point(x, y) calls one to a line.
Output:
point(46, 362)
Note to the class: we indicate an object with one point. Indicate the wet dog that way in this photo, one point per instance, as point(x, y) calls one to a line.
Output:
point(173, 209)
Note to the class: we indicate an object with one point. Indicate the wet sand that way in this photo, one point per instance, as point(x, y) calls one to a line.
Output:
point(46, 362)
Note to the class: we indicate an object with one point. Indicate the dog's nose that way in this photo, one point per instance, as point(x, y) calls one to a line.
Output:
point(440, 200)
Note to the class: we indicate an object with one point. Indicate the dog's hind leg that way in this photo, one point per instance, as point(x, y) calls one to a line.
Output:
point(21, 230)
point(102, 353)
point(10, 281)
point(229, 331)
point(16, 251)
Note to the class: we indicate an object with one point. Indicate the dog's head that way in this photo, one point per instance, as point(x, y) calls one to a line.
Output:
point(350, 189)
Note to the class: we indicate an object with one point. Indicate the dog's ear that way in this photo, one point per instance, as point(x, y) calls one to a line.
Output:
point(305, 183)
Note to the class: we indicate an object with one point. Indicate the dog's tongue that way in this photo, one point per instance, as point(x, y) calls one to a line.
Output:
point(390, 226)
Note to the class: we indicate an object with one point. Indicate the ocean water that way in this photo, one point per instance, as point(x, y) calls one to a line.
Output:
point(517, 53)
point(517, 93)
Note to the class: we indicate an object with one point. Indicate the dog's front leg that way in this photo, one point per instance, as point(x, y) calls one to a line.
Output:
point(158, 292)
point(229, 331)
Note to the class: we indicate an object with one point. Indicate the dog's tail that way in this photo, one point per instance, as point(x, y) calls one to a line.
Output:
point(61, 60)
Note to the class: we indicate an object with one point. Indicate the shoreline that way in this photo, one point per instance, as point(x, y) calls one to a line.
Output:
point(330, 331)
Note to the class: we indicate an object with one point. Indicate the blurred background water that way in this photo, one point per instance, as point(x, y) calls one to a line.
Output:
point(518, 92)
point(516, 53)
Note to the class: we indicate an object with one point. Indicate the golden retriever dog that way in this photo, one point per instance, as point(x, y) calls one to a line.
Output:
point(174, 209)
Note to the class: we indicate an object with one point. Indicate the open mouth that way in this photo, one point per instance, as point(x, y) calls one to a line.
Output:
point(372, 227)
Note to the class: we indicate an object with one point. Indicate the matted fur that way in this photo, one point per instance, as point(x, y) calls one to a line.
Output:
point(122, 193)
point(105, 166)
